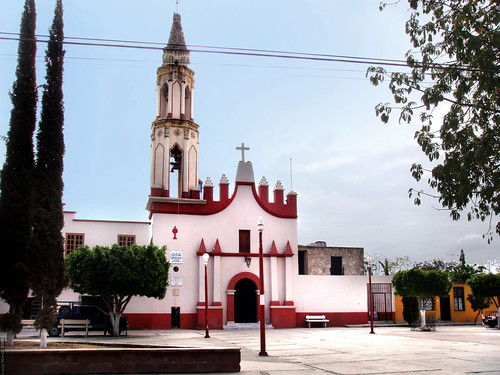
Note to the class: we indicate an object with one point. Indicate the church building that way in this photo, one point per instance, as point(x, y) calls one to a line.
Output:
point(185, 216)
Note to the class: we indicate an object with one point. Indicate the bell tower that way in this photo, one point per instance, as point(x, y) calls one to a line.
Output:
point(174, 134)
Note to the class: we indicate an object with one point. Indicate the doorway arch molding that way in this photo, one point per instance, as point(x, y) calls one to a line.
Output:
point(231, 288)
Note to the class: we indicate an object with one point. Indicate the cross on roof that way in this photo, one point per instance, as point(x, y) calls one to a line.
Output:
point(243, 148)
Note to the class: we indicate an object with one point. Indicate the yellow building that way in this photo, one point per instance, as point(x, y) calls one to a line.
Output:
point(453, 308)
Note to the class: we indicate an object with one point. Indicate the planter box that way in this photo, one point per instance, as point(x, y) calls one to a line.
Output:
point(121, 360)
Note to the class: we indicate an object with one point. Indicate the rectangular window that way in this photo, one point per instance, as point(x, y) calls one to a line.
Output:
point(244, 241)
point(302, 263)
point(73, 240)
point(126, 240)
point(336, 266)
point(428, 304)
point(458, 297)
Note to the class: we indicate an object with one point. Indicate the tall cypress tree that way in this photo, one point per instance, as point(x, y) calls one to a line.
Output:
point(16, 199)
point(46, 258)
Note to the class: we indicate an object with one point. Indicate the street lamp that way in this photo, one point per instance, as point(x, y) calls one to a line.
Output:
point(262, 306)
point(369, 261)
point(205, 257)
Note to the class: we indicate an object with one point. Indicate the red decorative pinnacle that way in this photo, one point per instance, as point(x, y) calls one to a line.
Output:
point(175, 231)
point(273, 250)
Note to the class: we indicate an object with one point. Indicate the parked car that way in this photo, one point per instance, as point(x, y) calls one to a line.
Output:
point(491, 320)
point(98, 318)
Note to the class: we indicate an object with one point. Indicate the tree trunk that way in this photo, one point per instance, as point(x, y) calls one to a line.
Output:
point(115, 324)
point(10, 338)
point(422, 319)
point(43, 338)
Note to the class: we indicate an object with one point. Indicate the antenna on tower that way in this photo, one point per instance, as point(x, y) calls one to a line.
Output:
point(177, 6)
point(291, 177)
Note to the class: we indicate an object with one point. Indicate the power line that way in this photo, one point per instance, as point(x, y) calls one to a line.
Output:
point(116, 43)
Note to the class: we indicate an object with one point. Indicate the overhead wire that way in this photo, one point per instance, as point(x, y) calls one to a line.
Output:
point(117, 43)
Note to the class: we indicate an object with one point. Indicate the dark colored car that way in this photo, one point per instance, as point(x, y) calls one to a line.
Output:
point(99, 319)
point(491, 320)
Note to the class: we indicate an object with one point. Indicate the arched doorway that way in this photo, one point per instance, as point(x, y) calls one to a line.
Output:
point(245, 301)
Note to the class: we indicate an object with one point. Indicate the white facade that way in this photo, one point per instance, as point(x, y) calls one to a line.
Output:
point(190, 225)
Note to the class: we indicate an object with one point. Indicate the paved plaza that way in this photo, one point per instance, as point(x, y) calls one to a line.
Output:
point(391, 350)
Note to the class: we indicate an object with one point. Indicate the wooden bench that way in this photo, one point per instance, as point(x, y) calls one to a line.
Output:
point(28, 323)
point(75, 323)
point(316, 319)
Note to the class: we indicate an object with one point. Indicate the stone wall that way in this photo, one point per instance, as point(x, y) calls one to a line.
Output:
point(317, 260)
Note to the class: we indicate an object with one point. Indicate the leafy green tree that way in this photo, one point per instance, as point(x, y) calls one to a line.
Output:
point(455, 66)
point(486, 285)
point(46, 255)
point(461, 272)
point(425, 285)
point(478, 303)
point(410, 310)
point(16, 183)
point(118, 273)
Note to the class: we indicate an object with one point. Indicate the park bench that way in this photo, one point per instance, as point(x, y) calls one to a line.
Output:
point(316, 319)
point(28, 323)
point(75, 324)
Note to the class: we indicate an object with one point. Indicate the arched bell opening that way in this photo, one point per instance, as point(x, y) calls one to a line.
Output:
point(176, 171)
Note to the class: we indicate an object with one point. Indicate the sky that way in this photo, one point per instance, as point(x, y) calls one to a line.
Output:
point(309, 124)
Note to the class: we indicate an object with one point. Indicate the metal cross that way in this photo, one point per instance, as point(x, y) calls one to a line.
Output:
point(243, 148)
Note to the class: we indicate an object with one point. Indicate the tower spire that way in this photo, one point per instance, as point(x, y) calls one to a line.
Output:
point(176, 51)
point(174, 136)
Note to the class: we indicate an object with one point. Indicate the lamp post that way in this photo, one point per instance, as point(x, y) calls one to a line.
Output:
point(369, 261)
point(205, 262)
point(262, 306)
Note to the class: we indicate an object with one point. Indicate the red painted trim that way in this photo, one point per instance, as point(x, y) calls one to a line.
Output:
point(215, 320)
point(264, 193)
point(283, 317)
point(274, 250)
point(288, 249)
point(208, 193)
point(278, 209)
point(217, 248)
point(242, 275)
point(188, 321)
point(284, 211)
point(202, 249)
point(232, 285)
point(148, 321)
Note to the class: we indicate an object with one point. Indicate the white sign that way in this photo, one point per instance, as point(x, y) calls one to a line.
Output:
point(262, 300)
point(175, 281)
point(176, 257)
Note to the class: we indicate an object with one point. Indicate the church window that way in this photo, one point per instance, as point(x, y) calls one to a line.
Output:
point(126, 240)
point(244, 241)
point(73, 240)
point(458, 297)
